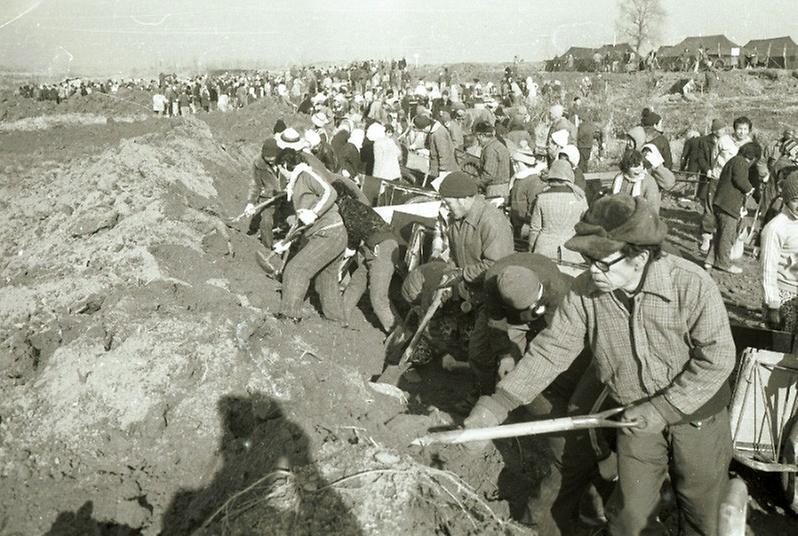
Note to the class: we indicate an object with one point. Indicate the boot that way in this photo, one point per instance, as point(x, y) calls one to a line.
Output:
point(706, 242)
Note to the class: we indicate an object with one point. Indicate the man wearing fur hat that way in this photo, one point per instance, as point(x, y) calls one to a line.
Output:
point(661, 342)
point(479, 234)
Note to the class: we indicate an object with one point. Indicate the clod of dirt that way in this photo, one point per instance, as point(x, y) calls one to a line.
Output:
point(97, 220)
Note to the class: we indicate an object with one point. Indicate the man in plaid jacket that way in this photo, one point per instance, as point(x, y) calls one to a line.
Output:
point(659, 333)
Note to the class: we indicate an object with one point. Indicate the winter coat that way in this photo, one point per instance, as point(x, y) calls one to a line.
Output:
point(557, 210)
point(733, 186)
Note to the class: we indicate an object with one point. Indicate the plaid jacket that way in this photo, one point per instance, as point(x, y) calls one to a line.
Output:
point(676, 349)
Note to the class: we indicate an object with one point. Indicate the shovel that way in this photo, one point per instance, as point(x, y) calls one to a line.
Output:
point(258, 208)
point(393, 373)
point(268, 262)
point(563, 424)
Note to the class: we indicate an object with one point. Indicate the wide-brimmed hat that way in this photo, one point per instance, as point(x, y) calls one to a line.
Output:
point(290, 139)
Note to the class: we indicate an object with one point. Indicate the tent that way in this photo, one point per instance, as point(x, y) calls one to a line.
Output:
point(779, 52)
point(616, 50)
point(719, 48)
point(583, 59)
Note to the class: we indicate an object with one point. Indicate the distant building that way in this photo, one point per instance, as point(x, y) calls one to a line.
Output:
point(777, 52)
point(720, 49)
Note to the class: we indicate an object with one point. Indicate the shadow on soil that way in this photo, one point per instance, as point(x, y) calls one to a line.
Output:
point(260, 448)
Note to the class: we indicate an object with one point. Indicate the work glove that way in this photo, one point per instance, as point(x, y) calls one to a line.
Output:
point(648, 418)
point(482, 415)
point(281, 247)
point(349, 253)
point(451, 278)
point(773, 318)
point(306, 216)
point(249, 210)
point(506, 366)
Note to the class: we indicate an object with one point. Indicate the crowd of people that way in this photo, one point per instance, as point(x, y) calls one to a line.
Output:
point(557, 289)
point(638, 325)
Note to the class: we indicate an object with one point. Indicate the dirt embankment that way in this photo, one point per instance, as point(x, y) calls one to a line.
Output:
point(145, 385)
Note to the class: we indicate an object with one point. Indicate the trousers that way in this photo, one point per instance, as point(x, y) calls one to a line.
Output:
point(698, 454)
point(375, 271)
point(722, 242)
point(706, 195)
point(319, 257)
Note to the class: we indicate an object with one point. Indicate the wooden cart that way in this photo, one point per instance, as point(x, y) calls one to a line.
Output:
point(764, 416)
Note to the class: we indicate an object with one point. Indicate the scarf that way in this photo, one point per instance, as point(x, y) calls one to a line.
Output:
point(636, 181)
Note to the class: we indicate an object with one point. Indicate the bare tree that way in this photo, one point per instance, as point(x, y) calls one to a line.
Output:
point(640, 21)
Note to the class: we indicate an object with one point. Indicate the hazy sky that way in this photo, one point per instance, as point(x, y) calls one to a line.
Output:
point(115, 36)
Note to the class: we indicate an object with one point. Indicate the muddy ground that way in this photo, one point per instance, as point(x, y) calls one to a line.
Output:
point(145, 387)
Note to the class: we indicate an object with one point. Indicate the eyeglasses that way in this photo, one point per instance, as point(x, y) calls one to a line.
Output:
point(603, 266)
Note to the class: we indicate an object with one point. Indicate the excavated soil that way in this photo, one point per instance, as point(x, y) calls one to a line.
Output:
point(146, 388)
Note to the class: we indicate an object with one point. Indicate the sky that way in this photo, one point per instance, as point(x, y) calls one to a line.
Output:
point(74, 37)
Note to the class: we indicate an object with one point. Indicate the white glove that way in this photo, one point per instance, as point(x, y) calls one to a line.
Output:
point(345, 173)
point(306, 216)
point(653, 156)
point(249, 210)
point(348, 253)
point(281, 247)
point(506, 366)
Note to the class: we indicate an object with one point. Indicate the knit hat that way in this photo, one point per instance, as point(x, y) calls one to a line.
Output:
point(483, 127)
point(290, 139)
point(269, 150)
point(717, 124)
point(561, 170)
point(649, 118)
point(421, 122)
point(789, 186)
point(572, 153)
point(614, 221)
point(458, 184)
point(518, 286)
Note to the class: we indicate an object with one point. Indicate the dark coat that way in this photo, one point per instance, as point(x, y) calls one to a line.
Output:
point(733, 186)
point(705, 148)
point(690, 155)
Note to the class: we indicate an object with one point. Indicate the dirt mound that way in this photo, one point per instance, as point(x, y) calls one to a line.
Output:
point(145, 384)
point(126, 102)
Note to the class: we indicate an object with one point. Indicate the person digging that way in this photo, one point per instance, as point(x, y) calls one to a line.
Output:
point(660, 338)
